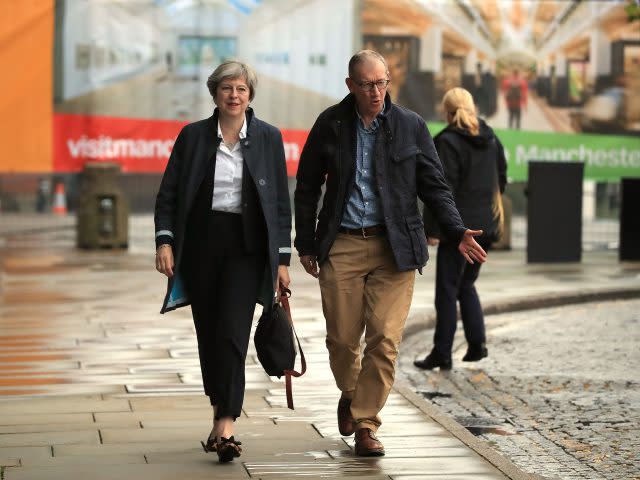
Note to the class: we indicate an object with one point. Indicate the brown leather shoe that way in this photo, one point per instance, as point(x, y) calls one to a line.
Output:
point(367, 444)
point(345, 419)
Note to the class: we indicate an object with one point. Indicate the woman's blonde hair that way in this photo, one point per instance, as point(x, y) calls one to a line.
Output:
point(459, 103)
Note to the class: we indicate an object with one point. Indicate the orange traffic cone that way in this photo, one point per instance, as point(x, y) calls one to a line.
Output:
point(59, 200)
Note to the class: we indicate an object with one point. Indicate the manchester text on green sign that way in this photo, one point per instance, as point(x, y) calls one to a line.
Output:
point(605, 157)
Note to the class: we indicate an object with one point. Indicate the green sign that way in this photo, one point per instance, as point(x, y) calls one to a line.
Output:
point(606, 157)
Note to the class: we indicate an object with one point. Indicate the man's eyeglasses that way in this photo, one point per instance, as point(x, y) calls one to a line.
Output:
point(368, 86)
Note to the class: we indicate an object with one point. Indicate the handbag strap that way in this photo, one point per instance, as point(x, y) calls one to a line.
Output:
point(285, 293)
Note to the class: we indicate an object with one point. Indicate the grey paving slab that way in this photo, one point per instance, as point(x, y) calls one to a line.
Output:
point(80, 355)
point(461, 450)
point(235, 468)
point(317, 468)
point(160, 388)
point(199, 431)
point(124, 448)
point(167, 403)
point(416, 441)
point(242, 423)
point(252, 456)
point(329, 474)
point(130, 418)
point(62, 387)
point(9, 461)
point(48, 438)
point(255, 447)
point(37, 419)
point(455, 476)
point(425, 427)
point(199, 471)
point(48, 366)
point(26, 453)
point(63, 404)
point(433, 465)
point(57, 427)
point(98, 460)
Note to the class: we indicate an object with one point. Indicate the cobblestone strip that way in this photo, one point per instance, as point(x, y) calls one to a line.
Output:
point(558, 394)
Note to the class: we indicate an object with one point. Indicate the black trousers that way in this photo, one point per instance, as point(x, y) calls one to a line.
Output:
point(514, 118)
point(223, 282)
point(455, 281)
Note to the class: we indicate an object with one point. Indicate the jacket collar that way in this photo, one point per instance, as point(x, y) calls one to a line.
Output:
point(213, 139)
point(212, 121)
point(347, 106)
point(243, 131)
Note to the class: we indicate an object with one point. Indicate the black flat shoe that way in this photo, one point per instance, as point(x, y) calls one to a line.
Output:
point(228, 449)
point(431, 361)
point(475, 353)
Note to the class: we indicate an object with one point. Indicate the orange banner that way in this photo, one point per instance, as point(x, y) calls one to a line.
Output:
point(26, 85)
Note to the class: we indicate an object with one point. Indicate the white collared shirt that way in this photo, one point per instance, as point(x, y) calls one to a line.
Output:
point(227, 182)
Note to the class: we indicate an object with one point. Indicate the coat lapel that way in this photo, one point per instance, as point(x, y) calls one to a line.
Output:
point(204, 158)
point(251, 149)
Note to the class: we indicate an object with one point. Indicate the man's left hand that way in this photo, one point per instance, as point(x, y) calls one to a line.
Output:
point(470, 249)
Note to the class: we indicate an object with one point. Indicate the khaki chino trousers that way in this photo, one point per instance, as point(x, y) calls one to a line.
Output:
point(363, 292)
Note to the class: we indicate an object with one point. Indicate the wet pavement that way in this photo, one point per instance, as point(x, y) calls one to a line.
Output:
point(91, 374)
point(559, 393)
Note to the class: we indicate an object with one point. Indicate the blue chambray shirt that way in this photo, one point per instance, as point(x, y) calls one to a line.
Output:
point(363, 207)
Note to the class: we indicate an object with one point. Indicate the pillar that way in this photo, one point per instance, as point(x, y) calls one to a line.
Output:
point(600, 59)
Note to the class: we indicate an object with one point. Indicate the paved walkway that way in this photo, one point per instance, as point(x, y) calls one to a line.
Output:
point(96, 384)
point(538, 116)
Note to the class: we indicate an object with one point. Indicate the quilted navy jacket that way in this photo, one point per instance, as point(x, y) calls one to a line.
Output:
point(406, 167)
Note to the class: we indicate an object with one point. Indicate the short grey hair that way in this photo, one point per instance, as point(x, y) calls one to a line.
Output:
point(364, 55)
point(233, 69)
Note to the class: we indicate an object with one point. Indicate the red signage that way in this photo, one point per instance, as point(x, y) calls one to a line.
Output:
point(137, 145)
point(293, 142)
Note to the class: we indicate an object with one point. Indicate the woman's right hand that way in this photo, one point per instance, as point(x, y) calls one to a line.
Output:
point(164, 260)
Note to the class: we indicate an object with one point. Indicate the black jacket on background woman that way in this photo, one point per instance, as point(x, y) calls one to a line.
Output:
point(476, 170)
point(266, 208)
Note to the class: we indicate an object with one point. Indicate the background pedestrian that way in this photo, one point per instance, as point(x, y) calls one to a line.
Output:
point(476, 170)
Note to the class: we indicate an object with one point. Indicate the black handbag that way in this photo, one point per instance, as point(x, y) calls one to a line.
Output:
point(275, 340)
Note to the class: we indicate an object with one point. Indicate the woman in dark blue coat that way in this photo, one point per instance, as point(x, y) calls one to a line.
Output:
point(475, 169)
point(223, 236)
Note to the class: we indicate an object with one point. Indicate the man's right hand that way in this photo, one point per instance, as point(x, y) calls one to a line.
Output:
point(310, 264)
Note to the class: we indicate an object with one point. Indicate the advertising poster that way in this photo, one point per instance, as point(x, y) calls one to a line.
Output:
point(555, 79)
point(124, 77)
point(129, 75)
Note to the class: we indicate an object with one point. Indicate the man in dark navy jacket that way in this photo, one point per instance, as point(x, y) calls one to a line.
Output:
point(376, 159)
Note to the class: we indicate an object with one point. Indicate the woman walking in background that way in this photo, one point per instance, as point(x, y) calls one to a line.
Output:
point(223, 227)
point(475, 168)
